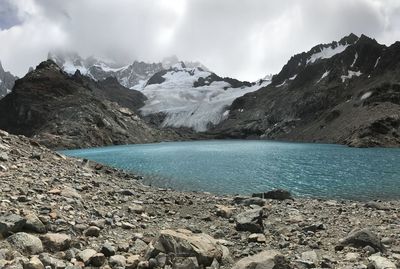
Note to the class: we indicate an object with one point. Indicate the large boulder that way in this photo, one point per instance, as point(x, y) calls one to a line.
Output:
point(362, 238)
point(26, 243)
point(250, 220)
point(184, 243)
point(379, 262)
point(269, 259)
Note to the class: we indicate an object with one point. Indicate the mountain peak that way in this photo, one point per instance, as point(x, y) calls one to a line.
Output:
point(349, 40)
point(48, 64)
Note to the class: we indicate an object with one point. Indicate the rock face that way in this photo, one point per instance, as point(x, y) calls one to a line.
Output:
point(345, 92)
point(6, 82)
point(73, 112)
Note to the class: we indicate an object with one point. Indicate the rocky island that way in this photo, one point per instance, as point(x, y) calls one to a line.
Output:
point(60, 212)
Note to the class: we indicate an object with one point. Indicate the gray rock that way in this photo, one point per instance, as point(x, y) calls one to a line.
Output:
point(11, 223)
point(362, 238)
point(26, 243)
point(381, 263)
point(52, 262)
point(56, 242)
point(185, 263)
point(86, 255)
point(108, 250)
point(117, 261)
point(33, 224)
point(269, 259)
point(250, 221)
point(4, 157)
point(249, 201)
point(93, 231)
point(34, 263)
point(97, 260)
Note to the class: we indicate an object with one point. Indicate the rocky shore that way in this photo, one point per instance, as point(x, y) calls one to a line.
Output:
point(59, 212)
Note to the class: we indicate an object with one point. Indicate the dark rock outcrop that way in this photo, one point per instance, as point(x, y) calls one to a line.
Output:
point(344, 92)
point(6, 82)
point(74, 112)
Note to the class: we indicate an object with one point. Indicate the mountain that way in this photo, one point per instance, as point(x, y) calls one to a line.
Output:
point(129, 76)
point(191, 97)
point(63, 111)
point(345, 92)
point(6, 81)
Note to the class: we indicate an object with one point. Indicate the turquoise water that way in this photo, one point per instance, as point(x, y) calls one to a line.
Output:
point(245, 167)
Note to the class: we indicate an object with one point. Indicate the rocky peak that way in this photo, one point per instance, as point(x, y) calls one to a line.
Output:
point(6, 81)
point(350, 39)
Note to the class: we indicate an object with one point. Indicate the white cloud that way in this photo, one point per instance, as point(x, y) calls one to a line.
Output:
point(244, 39)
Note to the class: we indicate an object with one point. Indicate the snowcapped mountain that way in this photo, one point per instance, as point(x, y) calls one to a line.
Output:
point(6, 82)
point(128, 76)
point(343, 92)
point(192, 97)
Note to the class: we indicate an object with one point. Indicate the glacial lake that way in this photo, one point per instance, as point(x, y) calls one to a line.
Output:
point(246, 167)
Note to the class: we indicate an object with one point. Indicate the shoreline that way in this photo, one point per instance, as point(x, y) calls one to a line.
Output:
point(81, 212)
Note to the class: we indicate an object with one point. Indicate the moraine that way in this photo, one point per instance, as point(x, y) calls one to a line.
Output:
point(245, 167)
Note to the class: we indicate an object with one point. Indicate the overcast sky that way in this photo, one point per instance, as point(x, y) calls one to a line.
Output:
point(246, 39)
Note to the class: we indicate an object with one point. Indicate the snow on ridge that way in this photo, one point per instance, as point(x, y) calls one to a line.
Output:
point(293, 78)
point(355, 60)
point(350, 74)
point(366, 95)
point(324, 75)
point(188, 106)
point(327, 53)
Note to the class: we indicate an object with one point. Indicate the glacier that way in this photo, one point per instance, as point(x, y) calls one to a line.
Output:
point(193, 107)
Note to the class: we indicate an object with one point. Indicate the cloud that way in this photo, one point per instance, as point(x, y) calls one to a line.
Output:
point(243, 39)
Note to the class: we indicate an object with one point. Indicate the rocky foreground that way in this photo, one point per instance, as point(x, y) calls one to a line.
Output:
point(59, 212)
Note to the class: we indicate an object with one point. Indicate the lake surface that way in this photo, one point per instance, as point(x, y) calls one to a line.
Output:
point(245, 167)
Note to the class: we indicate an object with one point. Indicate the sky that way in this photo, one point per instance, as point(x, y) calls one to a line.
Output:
point(244, 39)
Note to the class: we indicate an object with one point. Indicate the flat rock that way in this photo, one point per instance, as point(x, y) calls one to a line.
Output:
point(381, 263)
point(362, 238)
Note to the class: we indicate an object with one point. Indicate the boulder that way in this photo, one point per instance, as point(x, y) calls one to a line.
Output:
point(185, 263)
point(86, 255)
point(33, 224)
point(269, 259)
point(108, 250)
point(93, 231)
point(56, 242)
point(278, 194)
point(381, 263)
point(250, 220)
point(34, 263)
point(224, 211)
point(185, 243)
point(26, 243)
point(362, 238)
point(52, 262)
point(117, 261)
point(11, 223)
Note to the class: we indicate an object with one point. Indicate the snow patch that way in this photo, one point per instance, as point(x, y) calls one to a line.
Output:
point(355, 60)
point(280, 85)
point(293, 78)
point(366, 95)
point(377, 62)
point(327, 53)
point(350, 74)
point(324, 75)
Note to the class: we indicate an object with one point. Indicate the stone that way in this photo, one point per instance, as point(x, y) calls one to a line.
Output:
point(11, 223)
point(269, 259)
point(185, 263)
point(93, 231)
point(138, 209)
point(97, 260)
point(55, 241)
point(381, 263)
point(224, 211)
point(259, 238)
point(4, 157)
point(51, 262)
point(70, 192)
point(34, 263)
point(277, 194)
point(250, 220)
point(362, 238)
point(139, 246)
point(33, 224)
point(86, 255)
point(352, 257)
point(184, 242)
point(26, 243)
point(117, 261)
point(310, 258)
point(132, 261)
point(249, 201)
point(107, 249)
